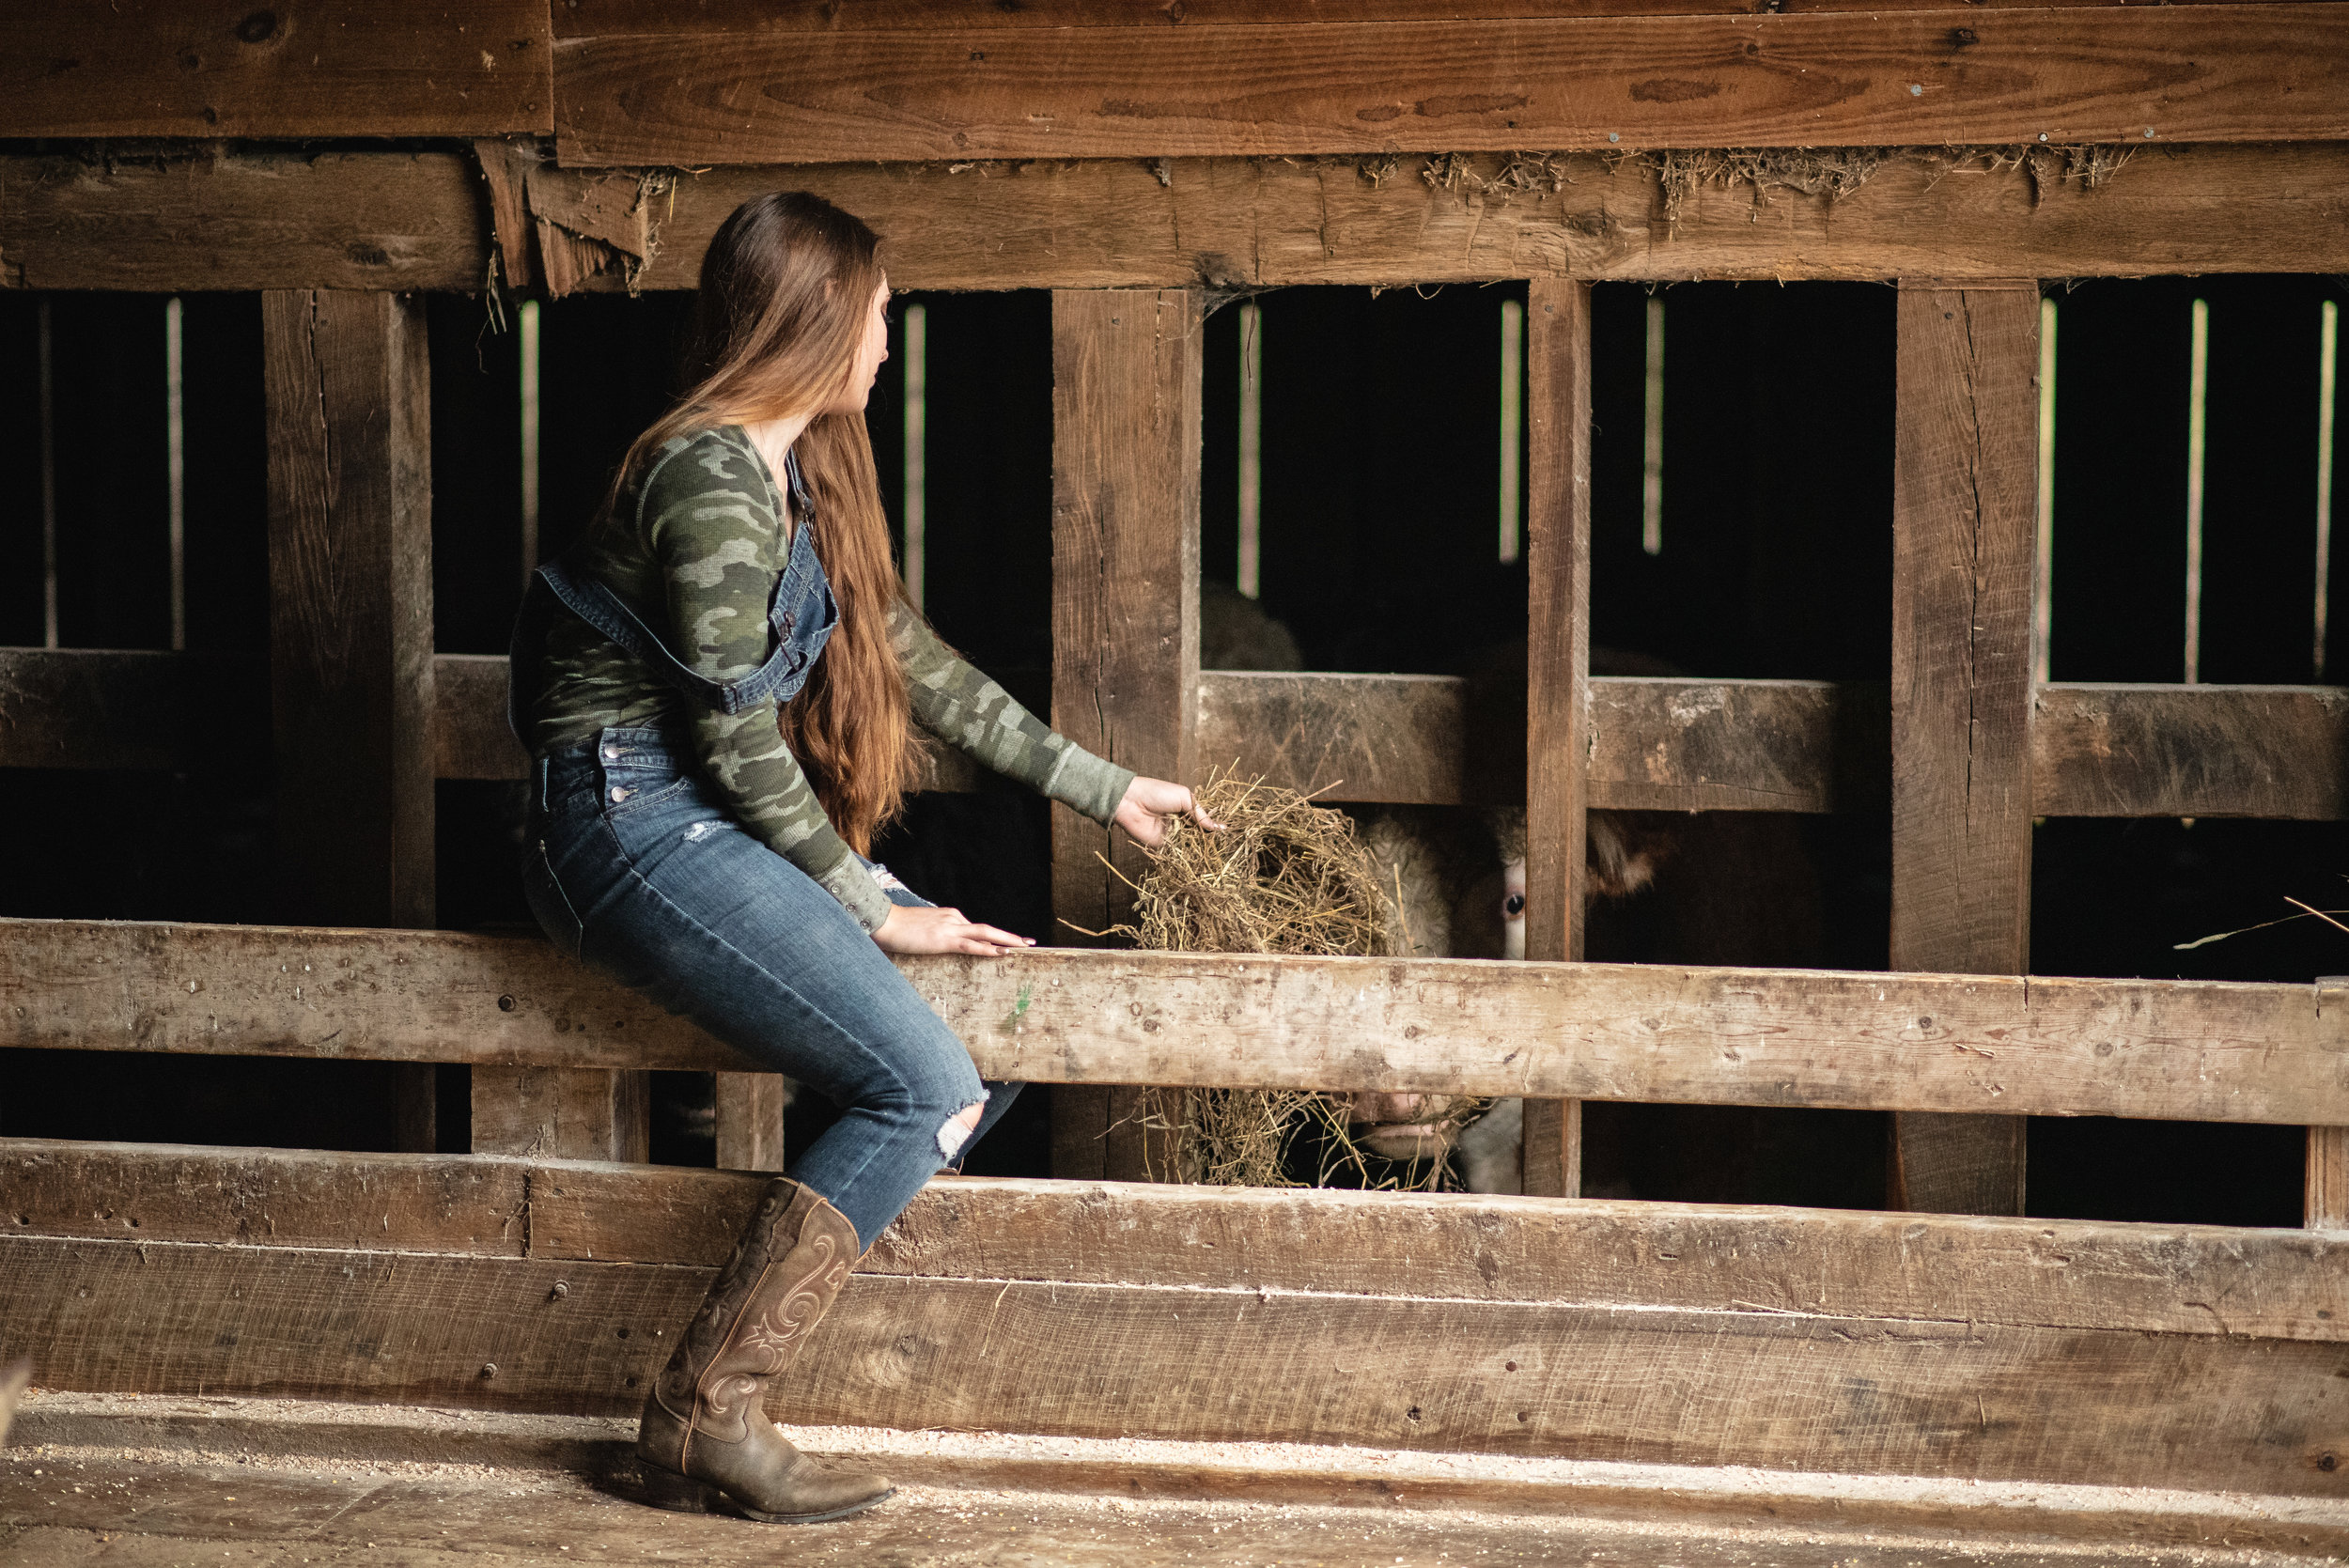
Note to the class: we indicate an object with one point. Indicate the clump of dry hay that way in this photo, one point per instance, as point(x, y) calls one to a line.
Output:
point(1284, 876)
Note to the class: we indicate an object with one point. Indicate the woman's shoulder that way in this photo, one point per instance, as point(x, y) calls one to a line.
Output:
point(716, 464)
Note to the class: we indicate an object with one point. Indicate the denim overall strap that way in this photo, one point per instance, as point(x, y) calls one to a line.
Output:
point(803, 615)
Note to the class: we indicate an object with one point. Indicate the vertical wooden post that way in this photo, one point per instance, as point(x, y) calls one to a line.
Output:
point(563, 1114)
point(2326, 1206)
point(1558, 668)
point(1965, 482)
point(750, 1120)
point(351, 618)
point(1125, 411)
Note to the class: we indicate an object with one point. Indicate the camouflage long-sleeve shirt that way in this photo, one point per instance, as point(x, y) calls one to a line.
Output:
point(698, 544)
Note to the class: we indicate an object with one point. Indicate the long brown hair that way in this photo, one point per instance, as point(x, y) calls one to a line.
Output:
point(785, 288)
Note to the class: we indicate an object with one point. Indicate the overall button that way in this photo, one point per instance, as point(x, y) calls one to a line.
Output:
point(611, 753)
point(618, 794)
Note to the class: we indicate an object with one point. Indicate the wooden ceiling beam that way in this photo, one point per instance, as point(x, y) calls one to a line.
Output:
point(1964, 75)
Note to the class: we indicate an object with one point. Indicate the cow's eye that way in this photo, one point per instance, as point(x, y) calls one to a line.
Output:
point(1515, 904)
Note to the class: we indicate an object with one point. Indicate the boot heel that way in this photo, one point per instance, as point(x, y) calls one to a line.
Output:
point(681, 1493)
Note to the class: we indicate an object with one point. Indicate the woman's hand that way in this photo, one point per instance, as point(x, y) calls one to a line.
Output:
point(927, 930)
point(1149, 802)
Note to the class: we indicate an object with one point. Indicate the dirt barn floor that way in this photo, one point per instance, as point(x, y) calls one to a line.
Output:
point(244, 1482)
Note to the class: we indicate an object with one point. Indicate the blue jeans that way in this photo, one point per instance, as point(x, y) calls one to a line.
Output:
point(662, 890)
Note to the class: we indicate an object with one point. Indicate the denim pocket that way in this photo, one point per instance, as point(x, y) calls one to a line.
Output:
point(551, 905)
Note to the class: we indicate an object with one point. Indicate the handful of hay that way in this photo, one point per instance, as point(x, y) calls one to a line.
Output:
point(1284, 876)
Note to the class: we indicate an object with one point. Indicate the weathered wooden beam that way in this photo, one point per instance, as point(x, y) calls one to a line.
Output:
point(593, 18)
point(2078, 1274)
point(562, 1112)
point(1964, 477)
point(1820, 79)
point(244, 220)
point(1557, 675)
point(421, 220)
point(1655, 744)
point(296, 68)
point(79, 707)
point(348, 422)
point(750, 1108)
point(1126, 433)
point(2191, 750)
point(2184, 1050)
point(2043, 1350)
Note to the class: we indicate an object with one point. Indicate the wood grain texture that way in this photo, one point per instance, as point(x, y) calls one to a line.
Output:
point(343, 220)
point(243, 220)
point(592, 18)
point(300, 67)
point(2191, 750)
point(1828, 1263)
point(562, 1114)
point(1965, 466)
point(264, 1197)
point(2326, 1203)
point(1558, 674)
point(1821, 79)
point(1126, 433)
point(2183, 1050)
point(750, 1108)
point(350, 603)
point(1795, 1390)
point(1655, 743)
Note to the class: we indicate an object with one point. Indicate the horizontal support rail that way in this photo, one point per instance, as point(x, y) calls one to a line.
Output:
point(1658, 744)
point(763, 91)
point(1985, 1348)
point(417, 220)
point(2187, 1051)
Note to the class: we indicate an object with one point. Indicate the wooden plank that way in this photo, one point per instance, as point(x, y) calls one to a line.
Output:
point(2182, 1050)
point(350, 603)
point(2191, 750)
point(251, 221)
point(346, 389)
point(563, 1113)
point(1965, 457)
point(300, 67)
point(1655, 744)
point(593, 18)
point(264, 220)
point(749, 1109)
point(264, 1197)
point(2327, 1204)
point(1795, 1390)
point(1374, 738)
point(1126, 433)
point(1557, 675)
point(471, 739)
point(1821, 78)
point(2078, 1274)
point(83, 707)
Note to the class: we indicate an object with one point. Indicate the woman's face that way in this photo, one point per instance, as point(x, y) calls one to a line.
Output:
point(870, 352)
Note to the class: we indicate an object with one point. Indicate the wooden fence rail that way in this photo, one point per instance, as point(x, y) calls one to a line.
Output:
point(2008, 1044)
point(1786, 1338)
point(2278, 751)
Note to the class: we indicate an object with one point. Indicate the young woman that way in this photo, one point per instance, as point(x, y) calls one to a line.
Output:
point(718, 685)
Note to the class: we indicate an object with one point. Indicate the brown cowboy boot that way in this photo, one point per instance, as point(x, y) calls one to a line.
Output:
point(705, 1432)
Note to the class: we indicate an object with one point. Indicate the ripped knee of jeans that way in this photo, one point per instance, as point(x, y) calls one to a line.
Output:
point(956, 1130)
